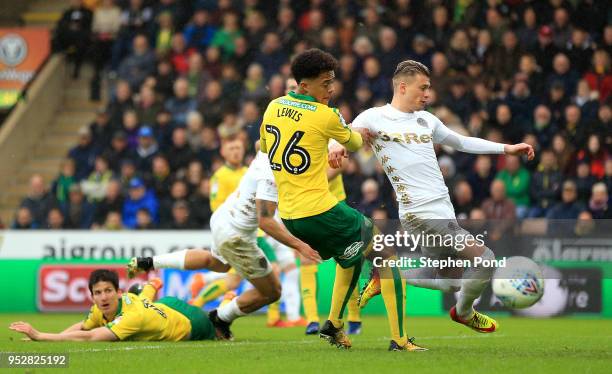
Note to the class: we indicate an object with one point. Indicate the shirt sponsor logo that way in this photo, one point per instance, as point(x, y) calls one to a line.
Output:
point(408, 137)
point(295, 104)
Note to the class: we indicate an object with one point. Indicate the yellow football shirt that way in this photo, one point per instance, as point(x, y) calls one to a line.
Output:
point(140, 319)
point(223, 182)
point(295, 132)
point(336, 187)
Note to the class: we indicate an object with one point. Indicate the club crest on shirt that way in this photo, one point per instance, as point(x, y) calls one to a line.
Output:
point(421, 122)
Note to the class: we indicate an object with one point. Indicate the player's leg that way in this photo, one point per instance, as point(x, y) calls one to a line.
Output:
point(290, 285)
point(266, 290)
point(189, 259)
point(354, 313)
point(273, 317)
point(201, 279)
point(308, 284)
point(217, 288)
point(240, 250)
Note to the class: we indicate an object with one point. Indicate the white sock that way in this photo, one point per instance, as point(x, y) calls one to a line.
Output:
point(474, 281)
point(173, 260)
point(427, 277)
point(211, 276)
point(290, 294)
point(230, 311)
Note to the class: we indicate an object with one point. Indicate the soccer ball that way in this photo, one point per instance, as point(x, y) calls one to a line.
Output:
point(519, 284)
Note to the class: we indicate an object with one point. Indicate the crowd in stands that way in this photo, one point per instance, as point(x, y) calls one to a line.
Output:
point(186, 75)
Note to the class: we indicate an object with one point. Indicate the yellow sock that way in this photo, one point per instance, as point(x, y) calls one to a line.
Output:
point(354, 312)
point(273, 312)
point(308, 283)
point(345, 282)
point(211, 292)
point(393, 289)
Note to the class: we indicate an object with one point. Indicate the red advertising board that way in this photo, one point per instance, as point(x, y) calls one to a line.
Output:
point(22, 52)
point(64, 288)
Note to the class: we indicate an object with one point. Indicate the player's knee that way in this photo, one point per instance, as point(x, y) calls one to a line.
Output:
point(274, 294)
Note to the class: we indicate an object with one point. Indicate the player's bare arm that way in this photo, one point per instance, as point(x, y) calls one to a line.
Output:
point(97, 334)
point(267, 222)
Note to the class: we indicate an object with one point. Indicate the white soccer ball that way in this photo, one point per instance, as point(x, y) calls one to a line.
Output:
point(519, 284)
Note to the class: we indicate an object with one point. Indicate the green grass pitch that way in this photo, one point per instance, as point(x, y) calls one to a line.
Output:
point(562, 345)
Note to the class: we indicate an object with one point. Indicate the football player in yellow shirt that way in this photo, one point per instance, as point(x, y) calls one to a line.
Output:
point(295, 132)
point(129, 316)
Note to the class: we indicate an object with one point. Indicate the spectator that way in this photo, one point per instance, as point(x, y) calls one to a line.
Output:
point(136, 19)
point(119, 103)
point(161, 177)
point(200, 32)
point(95, 185)
point(500, 209)
point(587, 101)
point(164, 78)
point(371, 199)
point(65, 179)
point(600, 76)
point(148, 105)
point(38, 202)
point(595, 156)
point(271, 55)
point(181, 219)
point(24, 220)
point(144, 220)
point(545, 185)
point(463, 200)
point(200, 204)
point(147, 149)
point(112, 202)
point(608, 175)
point(584, 182)
point(180, 54)
point(516, 180)
point(213, 105)
point(563, 73)
point(580, 50)
point(105, 27)
point(209, 147)
point(569, 207)
point(55, 220)
point(599, 204)
point(73, 32)
point(564, 153)
point(78, 212)
point(101, 130)
point(480, 178)
point(83, 154)
point(138, 197)
point(178, 191)
point(118, 151)
point(545, 50)
point(137, 66)
point(163, 38)
point(225, 37)
point(179, 153)
point(194, 176)
point(113, 221)
point(542, 127)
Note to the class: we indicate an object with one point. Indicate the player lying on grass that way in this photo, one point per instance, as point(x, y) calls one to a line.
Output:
point(404, 145)
point(234, 232)
point(295, 132)
point(128, 316)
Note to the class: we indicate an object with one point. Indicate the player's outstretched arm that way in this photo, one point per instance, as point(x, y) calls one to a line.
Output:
point(97, 334)
point(267, 222)
point(445, 136)
point(76, 327)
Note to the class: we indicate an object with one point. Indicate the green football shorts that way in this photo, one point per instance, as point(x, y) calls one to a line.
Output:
point(341, 233)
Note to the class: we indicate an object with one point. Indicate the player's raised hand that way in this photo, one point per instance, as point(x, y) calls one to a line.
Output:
point(24, 328)
point(520, 149)
point(336, 154)
point(307, 251)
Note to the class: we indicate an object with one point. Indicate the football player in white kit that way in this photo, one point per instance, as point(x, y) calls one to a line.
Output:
point(234, 243)
point(404, 141)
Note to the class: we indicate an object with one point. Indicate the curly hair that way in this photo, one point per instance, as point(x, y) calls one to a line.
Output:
point(311, 63)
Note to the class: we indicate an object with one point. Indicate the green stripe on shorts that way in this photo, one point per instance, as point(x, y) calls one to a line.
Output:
point(267, 249)
point(201, 327)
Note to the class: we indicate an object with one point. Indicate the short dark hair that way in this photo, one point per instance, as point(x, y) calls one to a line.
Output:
point(103, 275)
point(311, 63)
point(411, 68)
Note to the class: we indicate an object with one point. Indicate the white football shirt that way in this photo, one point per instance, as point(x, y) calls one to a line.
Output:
point(404, 145)
point(256, 184)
